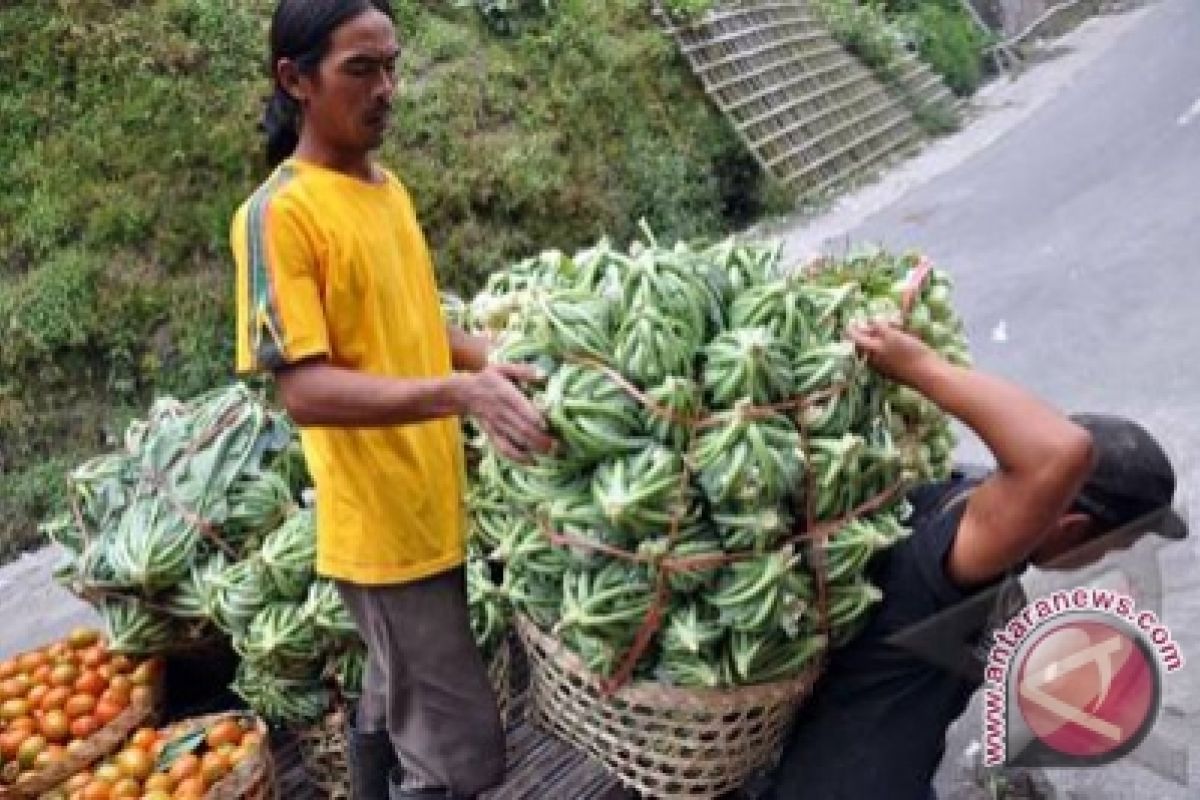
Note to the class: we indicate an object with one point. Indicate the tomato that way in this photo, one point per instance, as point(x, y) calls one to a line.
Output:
point(157, 794)
point(98, 789)
point(30, 749)
point(191, 788)
point(9, 669)
point(186, 766)
point(107, 710)
point(252, 738)
point(123, 664)
point(10, 743)
point(144, 739)
point(214, 766)
point(85, 726)
point(79, 705)
point(81, 638)
point(127, 788)
point(91, 682)
point(64, 675)
point(36, 694)
point(135, 763)
point(121, 686)
point(94, 656)
point(28, 662)
point(27, 724)
point(227, 731)
point(15, 688)
point(160, 781)
point(56, 698)
point(78, 781)
point(109, 772)
point(12, 709)
point(56, 726)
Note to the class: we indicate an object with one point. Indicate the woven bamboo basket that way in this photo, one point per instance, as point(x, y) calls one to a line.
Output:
point(253, 778)
point(323, 745)
point(102, 743)
point(663, 741)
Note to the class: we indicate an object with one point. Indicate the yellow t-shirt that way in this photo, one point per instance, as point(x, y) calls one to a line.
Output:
point(329, 265)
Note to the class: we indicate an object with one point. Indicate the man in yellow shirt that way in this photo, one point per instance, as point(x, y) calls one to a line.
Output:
point(336, 297)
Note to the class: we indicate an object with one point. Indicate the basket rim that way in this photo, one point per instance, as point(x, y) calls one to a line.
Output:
point(657, 694)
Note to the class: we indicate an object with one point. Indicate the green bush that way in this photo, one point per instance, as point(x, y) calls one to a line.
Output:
point(25, 497)
point(128, 137)
point(950, 42)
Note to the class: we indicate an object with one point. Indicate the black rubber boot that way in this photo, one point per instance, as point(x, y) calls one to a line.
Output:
point(370, 760)
point(398, 793)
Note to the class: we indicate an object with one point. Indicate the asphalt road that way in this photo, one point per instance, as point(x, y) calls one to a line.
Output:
point(1074, 239)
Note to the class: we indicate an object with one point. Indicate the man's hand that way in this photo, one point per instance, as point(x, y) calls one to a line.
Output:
point(891, 351)
point(513, 424)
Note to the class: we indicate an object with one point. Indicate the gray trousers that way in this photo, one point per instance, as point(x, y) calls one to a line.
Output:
point(426, 683)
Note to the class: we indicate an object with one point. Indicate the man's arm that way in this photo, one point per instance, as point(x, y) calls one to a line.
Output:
point(316, 393)
point(1042, 457)
point(468, 352)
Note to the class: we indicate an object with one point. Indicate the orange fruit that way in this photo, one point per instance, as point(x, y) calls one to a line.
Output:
point(85, 726)
point(12, 709)
point(82, 638)
point(135, 763)
point(190, 788)
point(79, 705)
point(127, 788)
point(98, 789)
point(227, 731)
point(161, 781)
point(30, 749)
point(56, 726)
point(91, 682)
point(56, 698)
point(64, 674)
point(144, 739)
point(107, 710)
point(186, 766)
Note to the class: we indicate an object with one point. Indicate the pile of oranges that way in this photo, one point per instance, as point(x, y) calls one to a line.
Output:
point(133, 773)
point(54, 698)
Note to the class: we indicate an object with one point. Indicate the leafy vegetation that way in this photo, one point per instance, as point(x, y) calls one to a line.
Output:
point(128, 136)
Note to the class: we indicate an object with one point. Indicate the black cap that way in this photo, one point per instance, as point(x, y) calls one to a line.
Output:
point(1133, 476)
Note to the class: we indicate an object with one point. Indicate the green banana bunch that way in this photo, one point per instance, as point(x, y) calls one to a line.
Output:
point(569, 322)
point(533, 577)
point(328, 613)
point(188, 599)
point(752, 527)
point(692, 627)
point(135, 629)
point(747, 364)
point(652, 345)
point(577, 515)
point(603, 607)
point(697, 542)
point(291, 465)
point(837, 465)
point(681, 397)
point(283, 701)
point(289, 554)
point(153, 548)
point(487, 606)
point(281, 637)
point(749, 458)
point(745, 264)
point(528, 485)
point(667, 282)
point(455, 310)
point(848, 607)
point(772, 657)
point(518, 347)
point(592, 415)
point(780, 306)
point(347, 669)
point(821, 367)
point(104, 487)
point(236, 593)
point(640, 494)
point(849, 549)
point(489, 515)
point(259, 502)
point(763, 593)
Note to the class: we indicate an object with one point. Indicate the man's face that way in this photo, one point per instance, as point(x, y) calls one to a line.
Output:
point(347, 101)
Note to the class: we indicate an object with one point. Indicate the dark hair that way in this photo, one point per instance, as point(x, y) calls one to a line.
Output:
point(1132, 476)
point(301, 30)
